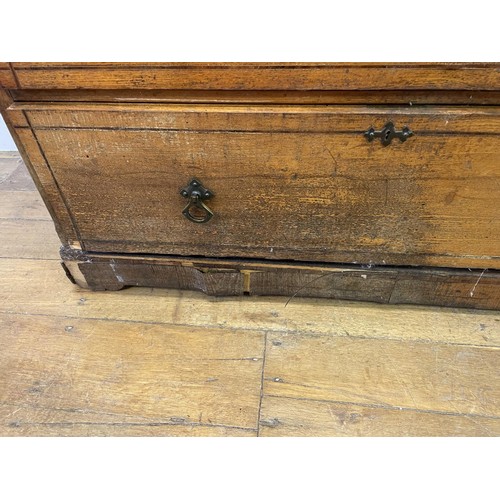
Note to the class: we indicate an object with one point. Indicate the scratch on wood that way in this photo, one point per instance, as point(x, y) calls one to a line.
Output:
point(307, 284)
point(113, 266)
point(334, 162)
point(270, 422)
point(477, 283)
point(472, 419)
point(450, 196)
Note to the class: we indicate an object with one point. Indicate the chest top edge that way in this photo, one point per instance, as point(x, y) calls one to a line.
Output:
point(251, 76)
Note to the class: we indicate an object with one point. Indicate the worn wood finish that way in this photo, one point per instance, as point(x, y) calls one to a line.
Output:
point(384, 373)
point(439, 287)
point(141, 362)
point(307, 172)
point(7, 79)
point(305, 417)
point(80, 356)
point(256, 76)
point(20, 209)
point(444, 287)
point(5, 99)
point(281, 145)
point(42, 422)
point(260, 118)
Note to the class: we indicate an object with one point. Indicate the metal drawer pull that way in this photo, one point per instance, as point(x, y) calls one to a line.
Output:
point(388, 133)
point(196, 193)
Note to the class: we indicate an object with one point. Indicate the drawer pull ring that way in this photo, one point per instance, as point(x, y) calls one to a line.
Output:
point(196, 193)
point(388, 133)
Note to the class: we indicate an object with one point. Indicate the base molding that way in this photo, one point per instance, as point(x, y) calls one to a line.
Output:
point(479, 289)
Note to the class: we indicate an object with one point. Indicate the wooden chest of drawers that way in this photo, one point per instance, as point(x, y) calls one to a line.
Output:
point(360, 181)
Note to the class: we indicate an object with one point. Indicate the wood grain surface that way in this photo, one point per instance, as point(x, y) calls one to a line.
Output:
point(282, 146)
point(33, 239)
point(153, 362)
point(383, 372)
point(395, 285)
point(258, 118)
point(255, 76)
point(25, 205)
point(307, 172)
point(154, 375)
point(7, 79)
point(304, 417)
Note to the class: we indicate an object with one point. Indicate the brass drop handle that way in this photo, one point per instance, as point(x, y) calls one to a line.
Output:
point(196, 193)
point(387, 134)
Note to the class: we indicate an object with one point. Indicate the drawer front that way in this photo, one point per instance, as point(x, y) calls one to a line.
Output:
point(289, 182)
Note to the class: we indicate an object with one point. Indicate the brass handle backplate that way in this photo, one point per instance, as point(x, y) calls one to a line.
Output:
point(196, 193)
point(388, 133)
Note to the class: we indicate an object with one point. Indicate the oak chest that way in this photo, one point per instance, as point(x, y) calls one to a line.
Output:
point(375, 182)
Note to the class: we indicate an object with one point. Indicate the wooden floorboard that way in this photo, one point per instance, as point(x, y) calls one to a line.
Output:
point(92, 428)
point(416, 375)
point(104, 373)
point(305, 417)
point(14, 176)
point(28, 239)
point(25, 205)
point(7, 166)
point(152, 362)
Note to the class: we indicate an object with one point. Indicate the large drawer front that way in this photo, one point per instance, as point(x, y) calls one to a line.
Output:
point(289, 182)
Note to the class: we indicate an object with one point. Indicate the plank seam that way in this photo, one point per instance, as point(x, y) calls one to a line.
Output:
point(125, 424)
point(244, 66)
point(262, 383)
point(388, 407)
point(254, 131)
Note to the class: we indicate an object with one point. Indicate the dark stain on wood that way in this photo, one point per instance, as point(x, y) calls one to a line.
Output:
point(390, 285)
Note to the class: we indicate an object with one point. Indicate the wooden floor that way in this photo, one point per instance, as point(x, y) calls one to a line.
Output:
point(151, 362)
